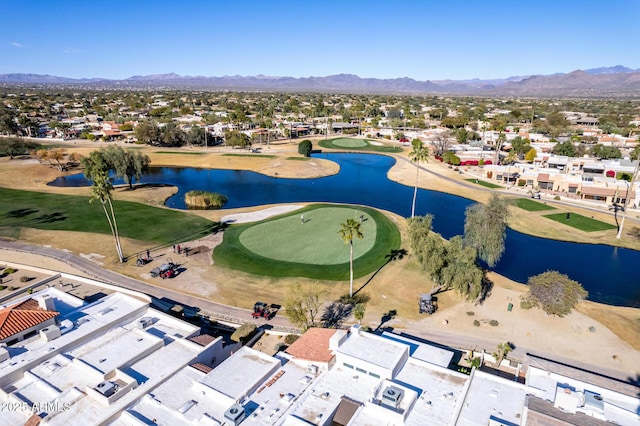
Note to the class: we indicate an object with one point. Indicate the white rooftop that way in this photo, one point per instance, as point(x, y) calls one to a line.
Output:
point(373, 349)
point(423, 351)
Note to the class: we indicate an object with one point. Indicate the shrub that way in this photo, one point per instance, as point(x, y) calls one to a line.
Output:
point(204, 200)
point(555, 293)
point(522, 182)
point(527, 303)
point(489, 174)
point(476, 323)
point(2, 287)
point(494, 323)
point(10, 271)
point(243, 333)
point(557, 197)
point(357, 298)
point(471, 313)
point(289, 339)
point(279, 346)
point(24, 279)
point(305, 147)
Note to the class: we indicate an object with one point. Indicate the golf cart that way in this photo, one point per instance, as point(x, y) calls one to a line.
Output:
point(166, 270)
point(427, 304)
point(259, 309)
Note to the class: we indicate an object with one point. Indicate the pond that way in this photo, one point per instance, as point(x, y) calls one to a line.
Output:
point(606, 272)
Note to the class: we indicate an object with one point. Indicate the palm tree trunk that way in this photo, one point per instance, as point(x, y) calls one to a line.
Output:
point(415, 191)
point(351, 268)
point(116, 234)
point(113, 232)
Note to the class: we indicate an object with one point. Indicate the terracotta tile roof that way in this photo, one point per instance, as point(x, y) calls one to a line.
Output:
point(313, 345)
point(201, 367)
point(22, 316)
point(202, 339)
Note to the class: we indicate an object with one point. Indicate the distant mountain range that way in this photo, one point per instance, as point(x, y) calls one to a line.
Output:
point(617, 81)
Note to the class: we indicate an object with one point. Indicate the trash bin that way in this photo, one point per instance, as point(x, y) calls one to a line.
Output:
point(510, 307)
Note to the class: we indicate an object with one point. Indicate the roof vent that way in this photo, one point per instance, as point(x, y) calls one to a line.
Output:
point(235, 414)
point(106, 388)
point(392, 396)
point(144, 322)
point(50, 332)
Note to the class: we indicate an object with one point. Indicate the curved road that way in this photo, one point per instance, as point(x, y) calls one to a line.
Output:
point(280, 322)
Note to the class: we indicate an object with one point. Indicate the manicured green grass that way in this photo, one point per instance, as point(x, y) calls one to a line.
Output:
point(314, 241)
point(483, 183)
point(532, 206)
point(356, 145)
point(25, 209)
point(299, 158)
point(580, 222)
point(249, 155)
point(350, 142)
point(278, 256)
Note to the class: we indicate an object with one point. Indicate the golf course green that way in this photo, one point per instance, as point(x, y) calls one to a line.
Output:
point(287, 246)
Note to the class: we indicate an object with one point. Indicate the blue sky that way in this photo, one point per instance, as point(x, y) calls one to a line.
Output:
point(424, 40)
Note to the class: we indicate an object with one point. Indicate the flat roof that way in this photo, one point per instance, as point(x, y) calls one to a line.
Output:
point(237, 375)
point(423, 351)
point(490, 395)
point(373, 349)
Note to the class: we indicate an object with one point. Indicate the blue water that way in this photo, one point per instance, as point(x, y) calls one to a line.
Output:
point(606, 272)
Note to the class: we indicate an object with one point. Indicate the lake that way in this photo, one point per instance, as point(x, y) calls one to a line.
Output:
point(606, 272)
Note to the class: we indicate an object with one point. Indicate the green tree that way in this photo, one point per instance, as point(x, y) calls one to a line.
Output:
point(147, 132)
point(502, 350)
point(418, 154)
point(348, 231)
point(429, 248)
point(451, 158)
point(555, 293)
point(236, 138)
point(605, 152)
point(358, 311)
point(96, 169)
point(485, 228)
point(520, 146)
point(302, 304)
point(305, 147)
point(129, 164)
point(635, 154)
point(8, 123)
point(461, 272)
point(565, 148)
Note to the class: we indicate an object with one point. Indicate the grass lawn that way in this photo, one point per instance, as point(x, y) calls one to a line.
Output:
point(356, 145)
point(483, 183)
point(580, 222)
point(284, 247)
point(532, 206)
point(25, 209)
point(298, 158)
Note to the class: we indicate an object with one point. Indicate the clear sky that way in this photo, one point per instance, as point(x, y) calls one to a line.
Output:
point(423, 40)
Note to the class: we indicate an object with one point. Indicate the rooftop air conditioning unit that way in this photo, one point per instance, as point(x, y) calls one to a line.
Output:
point(106, 388)
point(312, 369)
point(50, 332)
point(144, 322)
point(4, 354)
point(392, 396)
point(235, 414)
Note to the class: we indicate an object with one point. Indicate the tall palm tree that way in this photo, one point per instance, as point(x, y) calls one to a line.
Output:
point(418, 153)
point(348, 231)
point(96, 169)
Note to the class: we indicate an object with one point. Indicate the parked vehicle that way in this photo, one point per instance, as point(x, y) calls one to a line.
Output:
point(166, 270)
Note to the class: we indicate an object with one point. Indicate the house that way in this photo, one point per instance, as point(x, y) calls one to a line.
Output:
point(25, 319)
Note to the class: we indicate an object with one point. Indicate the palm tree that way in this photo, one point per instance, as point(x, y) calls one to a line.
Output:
point(418, 153)
point(348, 231)
point(97, 170)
